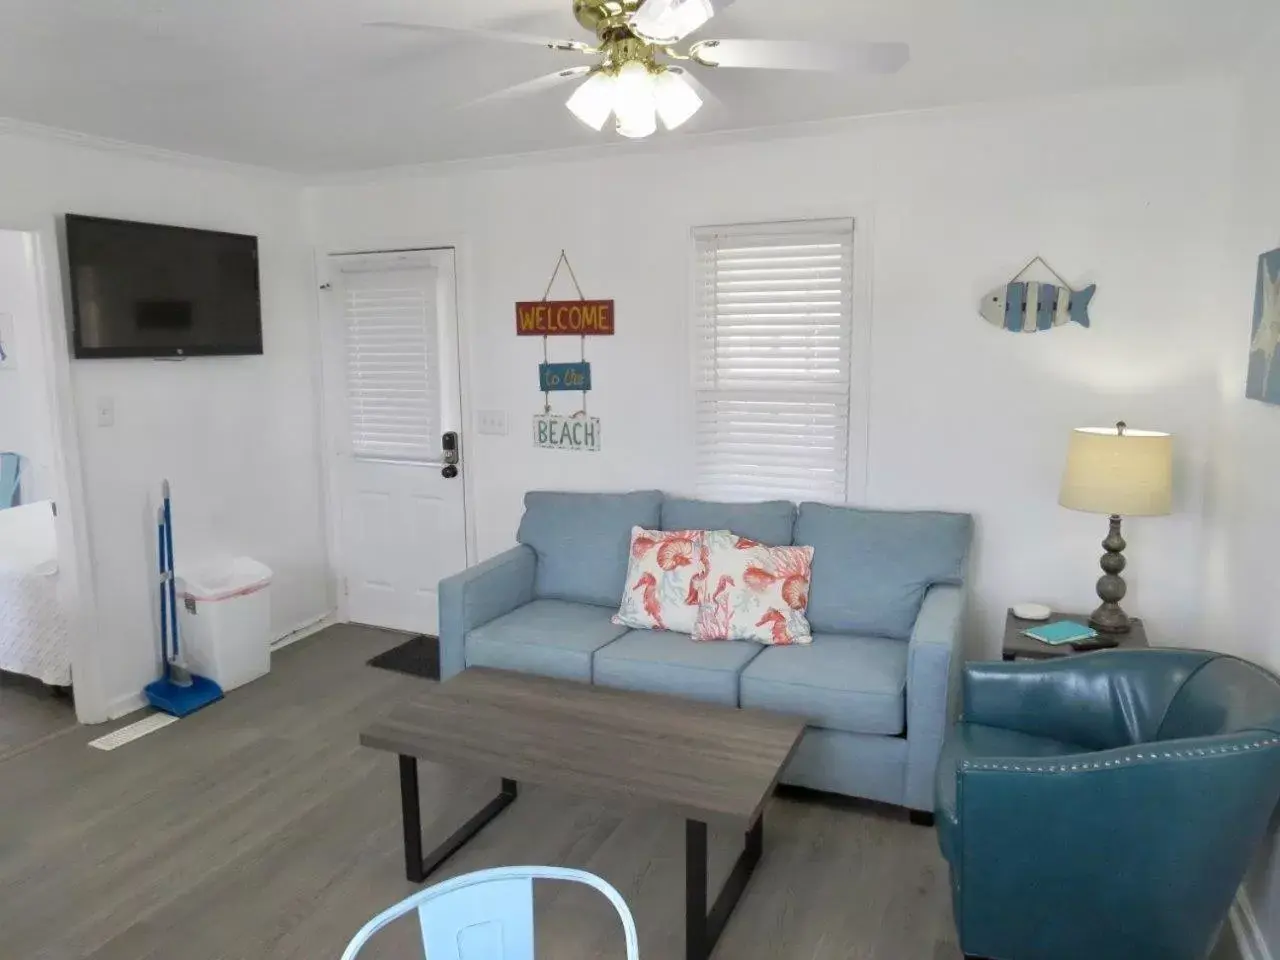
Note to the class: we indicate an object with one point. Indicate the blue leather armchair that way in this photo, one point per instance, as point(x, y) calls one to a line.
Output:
point(1106, 805)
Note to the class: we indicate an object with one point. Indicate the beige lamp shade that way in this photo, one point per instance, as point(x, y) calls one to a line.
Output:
point(1119, 471)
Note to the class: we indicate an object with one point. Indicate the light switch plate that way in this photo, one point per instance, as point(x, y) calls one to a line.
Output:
point(106, 412)
point(492, 422)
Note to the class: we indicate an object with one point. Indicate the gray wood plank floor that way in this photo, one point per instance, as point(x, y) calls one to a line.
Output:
point(29, 712)
point(260, 828)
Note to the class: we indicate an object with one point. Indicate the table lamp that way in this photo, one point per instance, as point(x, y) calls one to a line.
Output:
point(1120, 472)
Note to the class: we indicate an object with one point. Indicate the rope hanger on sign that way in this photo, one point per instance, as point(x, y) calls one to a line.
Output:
point(564, 260)
point(1040, 260)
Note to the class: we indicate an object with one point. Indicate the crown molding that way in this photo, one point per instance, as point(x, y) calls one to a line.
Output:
point(25, 129)
point(655, 146)
point(684, 141)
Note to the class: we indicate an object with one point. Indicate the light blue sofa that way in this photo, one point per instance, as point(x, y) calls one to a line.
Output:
point(886, 605)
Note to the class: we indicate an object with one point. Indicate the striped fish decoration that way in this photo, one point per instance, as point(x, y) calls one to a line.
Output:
point(1032, 307)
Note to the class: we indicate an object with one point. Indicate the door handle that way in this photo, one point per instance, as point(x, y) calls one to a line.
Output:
point(452, 454)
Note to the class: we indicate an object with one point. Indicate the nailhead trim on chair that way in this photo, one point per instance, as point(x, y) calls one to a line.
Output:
point(1118, 762)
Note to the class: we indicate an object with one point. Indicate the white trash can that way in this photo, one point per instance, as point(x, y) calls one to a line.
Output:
point(226, 620)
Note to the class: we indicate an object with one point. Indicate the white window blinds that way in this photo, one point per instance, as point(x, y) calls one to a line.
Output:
point(392, 360)
point(773, 362)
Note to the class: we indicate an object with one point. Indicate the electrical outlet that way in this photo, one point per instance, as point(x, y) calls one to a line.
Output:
point(106, 412)
point(492, 422)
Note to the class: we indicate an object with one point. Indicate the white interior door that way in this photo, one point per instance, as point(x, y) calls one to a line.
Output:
point(392, 385)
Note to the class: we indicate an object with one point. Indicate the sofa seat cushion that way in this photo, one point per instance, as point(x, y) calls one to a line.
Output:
point(854, 684)
point(583, 541)
point(554, 638)
point(974, 741)
point(659, 661)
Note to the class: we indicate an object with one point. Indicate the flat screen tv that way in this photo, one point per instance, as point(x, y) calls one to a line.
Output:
point(147, 290)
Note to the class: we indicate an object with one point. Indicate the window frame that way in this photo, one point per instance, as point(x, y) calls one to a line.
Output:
point(857, 473)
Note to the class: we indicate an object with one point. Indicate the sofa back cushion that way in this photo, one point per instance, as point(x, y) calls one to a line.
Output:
point(582, 541)
point(769, 523)
point(871, 568)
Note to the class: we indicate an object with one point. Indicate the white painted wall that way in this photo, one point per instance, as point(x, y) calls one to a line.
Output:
point(1127, 189)
point(1243, 605)
point(237, 437)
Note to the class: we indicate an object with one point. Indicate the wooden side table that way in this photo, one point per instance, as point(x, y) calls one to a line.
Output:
point(1018, 647)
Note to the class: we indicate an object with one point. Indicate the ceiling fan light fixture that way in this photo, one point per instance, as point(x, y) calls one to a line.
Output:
point(639, 127)
point(671, 20)
point(677, 101)
point(634, 100)
point(592, 102)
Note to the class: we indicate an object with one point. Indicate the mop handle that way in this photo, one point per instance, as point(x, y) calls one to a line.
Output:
point(173, 587)
point(164, 596)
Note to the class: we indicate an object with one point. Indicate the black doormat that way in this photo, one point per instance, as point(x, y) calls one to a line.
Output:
point(419, 657)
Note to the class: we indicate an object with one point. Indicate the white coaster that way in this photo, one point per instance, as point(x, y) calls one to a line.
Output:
point(1031, 611)
point(133, 731)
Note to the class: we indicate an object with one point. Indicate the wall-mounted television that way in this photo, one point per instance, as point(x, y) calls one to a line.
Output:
point(148, 290)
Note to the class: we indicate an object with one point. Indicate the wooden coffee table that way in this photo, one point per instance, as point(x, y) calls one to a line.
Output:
point(703, 761)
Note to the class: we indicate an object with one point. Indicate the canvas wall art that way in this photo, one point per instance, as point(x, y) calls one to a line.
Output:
point(1264, 366)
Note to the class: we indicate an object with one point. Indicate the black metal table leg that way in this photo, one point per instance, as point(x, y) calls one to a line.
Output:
point(417, 867)
point(695, 890)
point(411, 818)
point(702, 928)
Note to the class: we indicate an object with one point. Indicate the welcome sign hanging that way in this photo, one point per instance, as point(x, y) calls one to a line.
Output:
point(580, 318)
point(565, 318)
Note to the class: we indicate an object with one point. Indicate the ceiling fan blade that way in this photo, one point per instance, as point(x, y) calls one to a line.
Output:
point(670, 21)
point(536, 85)
point(801, 55)
point(500, 36)
point(709, 99)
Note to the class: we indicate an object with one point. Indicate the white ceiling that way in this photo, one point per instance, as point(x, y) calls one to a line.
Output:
point(299, 85)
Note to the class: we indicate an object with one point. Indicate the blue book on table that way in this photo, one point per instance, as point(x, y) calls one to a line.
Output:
point(1063, 631)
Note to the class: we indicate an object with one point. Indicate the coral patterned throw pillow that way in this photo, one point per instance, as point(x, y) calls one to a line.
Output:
point(754, 592)
point(664, 580)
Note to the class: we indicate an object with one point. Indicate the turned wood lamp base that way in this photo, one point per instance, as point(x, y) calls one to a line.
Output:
point(1109, 618)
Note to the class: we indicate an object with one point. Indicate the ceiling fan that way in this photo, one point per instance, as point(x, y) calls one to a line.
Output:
point(640, 76)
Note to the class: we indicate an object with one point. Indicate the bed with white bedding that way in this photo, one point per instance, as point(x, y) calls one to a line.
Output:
point(34, 639)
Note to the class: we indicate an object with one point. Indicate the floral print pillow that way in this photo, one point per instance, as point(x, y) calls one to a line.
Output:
point(754, 592)
point(664, 580)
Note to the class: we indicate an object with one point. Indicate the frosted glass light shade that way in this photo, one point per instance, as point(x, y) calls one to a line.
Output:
point(677, 101)
point(671, 19)
point(592, 102)
point(633, 100)
point(639, 126)
point(1128, 473)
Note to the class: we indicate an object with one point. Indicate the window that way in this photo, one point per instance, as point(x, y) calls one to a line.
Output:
point(392, 372)
point(774, 321)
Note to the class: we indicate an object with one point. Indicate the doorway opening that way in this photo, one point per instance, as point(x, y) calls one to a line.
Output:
point(37, 600)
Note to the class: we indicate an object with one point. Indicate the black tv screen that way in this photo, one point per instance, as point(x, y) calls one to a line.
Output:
point(147, 290)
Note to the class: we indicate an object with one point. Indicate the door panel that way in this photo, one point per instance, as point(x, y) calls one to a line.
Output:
point(392, 362)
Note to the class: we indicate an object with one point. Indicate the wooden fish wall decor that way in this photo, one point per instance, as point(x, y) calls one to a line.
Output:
point(1029, 307)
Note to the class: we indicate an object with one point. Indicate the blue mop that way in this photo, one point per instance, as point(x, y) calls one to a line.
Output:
point(179, 692)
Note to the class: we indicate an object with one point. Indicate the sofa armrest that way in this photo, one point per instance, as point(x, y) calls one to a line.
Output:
point(934, 657)
point(479, 594)
point(1156, 837)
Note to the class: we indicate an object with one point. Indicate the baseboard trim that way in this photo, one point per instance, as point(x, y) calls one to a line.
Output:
point(305, 629)
point(1249, 939)
point(127, 704)
point(130, 702)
